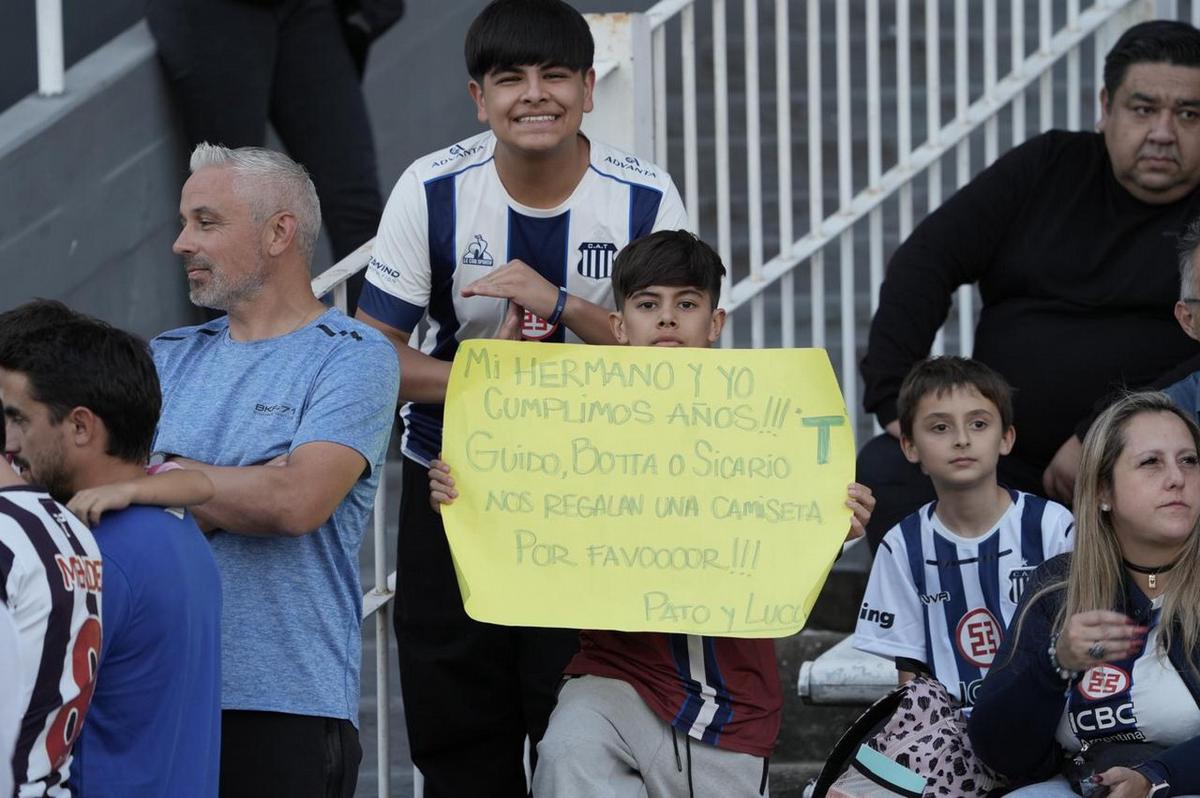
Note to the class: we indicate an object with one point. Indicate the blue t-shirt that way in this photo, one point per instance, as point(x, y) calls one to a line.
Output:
point(291, 624)
point(154, 725)
point(1186, 394)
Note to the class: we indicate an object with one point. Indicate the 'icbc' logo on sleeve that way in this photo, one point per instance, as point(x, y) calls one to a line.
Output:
point(978, 637)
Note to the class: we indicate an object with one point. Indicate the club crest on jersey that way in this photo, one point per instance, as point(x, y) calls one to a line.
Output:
point(535, 328)
point(596, 259)
point(1017, 579)
point(477, 253)
point(978, 637)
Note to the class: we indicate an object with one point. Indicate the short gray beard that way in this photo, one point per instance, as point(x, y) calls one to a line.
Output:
point(221, 293)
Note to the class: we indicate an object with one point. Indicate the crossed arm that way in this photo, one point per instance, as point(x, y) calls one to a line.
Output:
point(425, 377)
point(288, 498)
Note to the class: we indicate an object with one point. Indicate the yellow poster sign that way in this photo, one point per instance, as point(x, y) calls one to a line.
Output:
point(697, 491)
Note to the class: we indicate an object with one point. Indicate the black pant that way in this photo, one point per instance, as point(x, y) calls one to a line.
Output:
point(233, 64)
point(900, 487)
point(265, 754)
point(472, 691)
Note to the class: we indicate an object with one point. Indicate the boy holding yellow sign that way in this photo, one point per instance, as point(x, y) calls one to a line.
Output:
point(633, 695)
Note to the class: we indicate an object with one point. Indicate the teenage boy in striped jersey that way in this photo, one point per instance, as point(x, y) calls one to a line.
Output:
point(510, 233)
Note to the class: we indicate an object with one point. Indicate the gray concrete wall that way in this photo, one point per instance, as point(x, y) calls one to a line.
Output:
point(88, 189)
point(87, 26)
point(89, 182)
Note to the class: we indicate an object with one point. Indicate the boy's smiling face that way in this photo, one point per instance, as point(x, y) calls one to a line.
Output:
point(957, 438)
point(660, 315)
point(534, 109)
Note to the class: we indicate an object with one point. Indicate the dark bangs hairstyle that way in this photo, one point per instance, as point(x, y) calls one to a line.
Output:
point(513, 33)
point(76, 361)
point(939, 375)
point(674, 258)
point(30, 316)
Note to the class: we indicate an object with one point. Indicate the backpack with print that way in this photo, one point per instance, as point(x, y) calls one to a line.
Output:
point(912, 742)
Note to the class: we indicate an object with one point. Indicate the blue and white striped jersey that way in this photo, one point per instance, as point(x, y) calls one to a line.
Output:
point(449, 221)
point(945, 600)
point(51, 579)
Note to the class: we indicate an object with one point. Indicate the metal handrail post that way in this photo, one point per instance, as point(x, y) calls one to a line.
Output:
point(50, 47)
point(382, 677)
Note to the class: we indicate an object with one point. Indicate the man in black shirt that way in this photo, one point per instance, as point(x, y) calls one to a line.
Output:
point(1071, 238)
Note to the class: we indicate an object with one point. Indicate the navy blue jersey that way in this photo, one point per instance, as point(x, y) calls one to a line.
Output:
point(1141, 698)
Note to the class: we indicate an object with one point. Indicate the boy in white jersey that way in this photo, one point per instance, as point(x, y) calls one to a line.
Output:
point(947, 579)
point(508, 234)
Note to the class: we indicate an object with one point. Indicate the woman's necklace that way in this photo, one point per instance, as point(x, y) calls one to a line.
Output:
point(1151, 573)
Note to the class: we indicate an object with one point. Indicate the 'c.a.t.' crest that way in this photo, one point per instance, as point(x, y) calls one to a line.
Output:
point(596, 259)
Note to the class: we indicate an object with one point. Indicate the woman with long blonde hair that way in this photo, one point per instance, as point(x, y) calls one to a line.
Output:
point(1098, 690)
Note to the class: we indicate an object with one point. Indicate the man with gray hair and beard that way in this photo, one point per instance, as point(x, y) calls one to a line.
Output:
point(287, 406)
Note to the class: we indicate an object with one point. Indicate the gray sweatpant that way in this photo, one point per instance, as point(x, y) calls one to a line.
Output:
point(604, 742)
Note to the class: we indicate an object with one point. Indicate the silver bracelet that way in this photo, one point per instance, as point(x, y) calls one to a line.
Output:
point(1063, 673)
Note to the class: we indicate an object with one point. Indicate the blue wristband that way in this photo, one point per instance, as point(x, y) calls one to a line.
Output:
point(559, 306)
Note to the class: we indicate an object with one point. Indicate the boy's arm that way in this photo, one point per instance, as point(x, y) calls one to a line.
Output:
point(398, 287)
point(517, 282)
point(176, 488)
point(425, 377)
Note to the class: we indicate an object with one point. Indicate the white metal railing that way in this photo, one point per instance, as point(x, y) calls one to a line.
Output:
point(51, 63)
point(991, 88)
